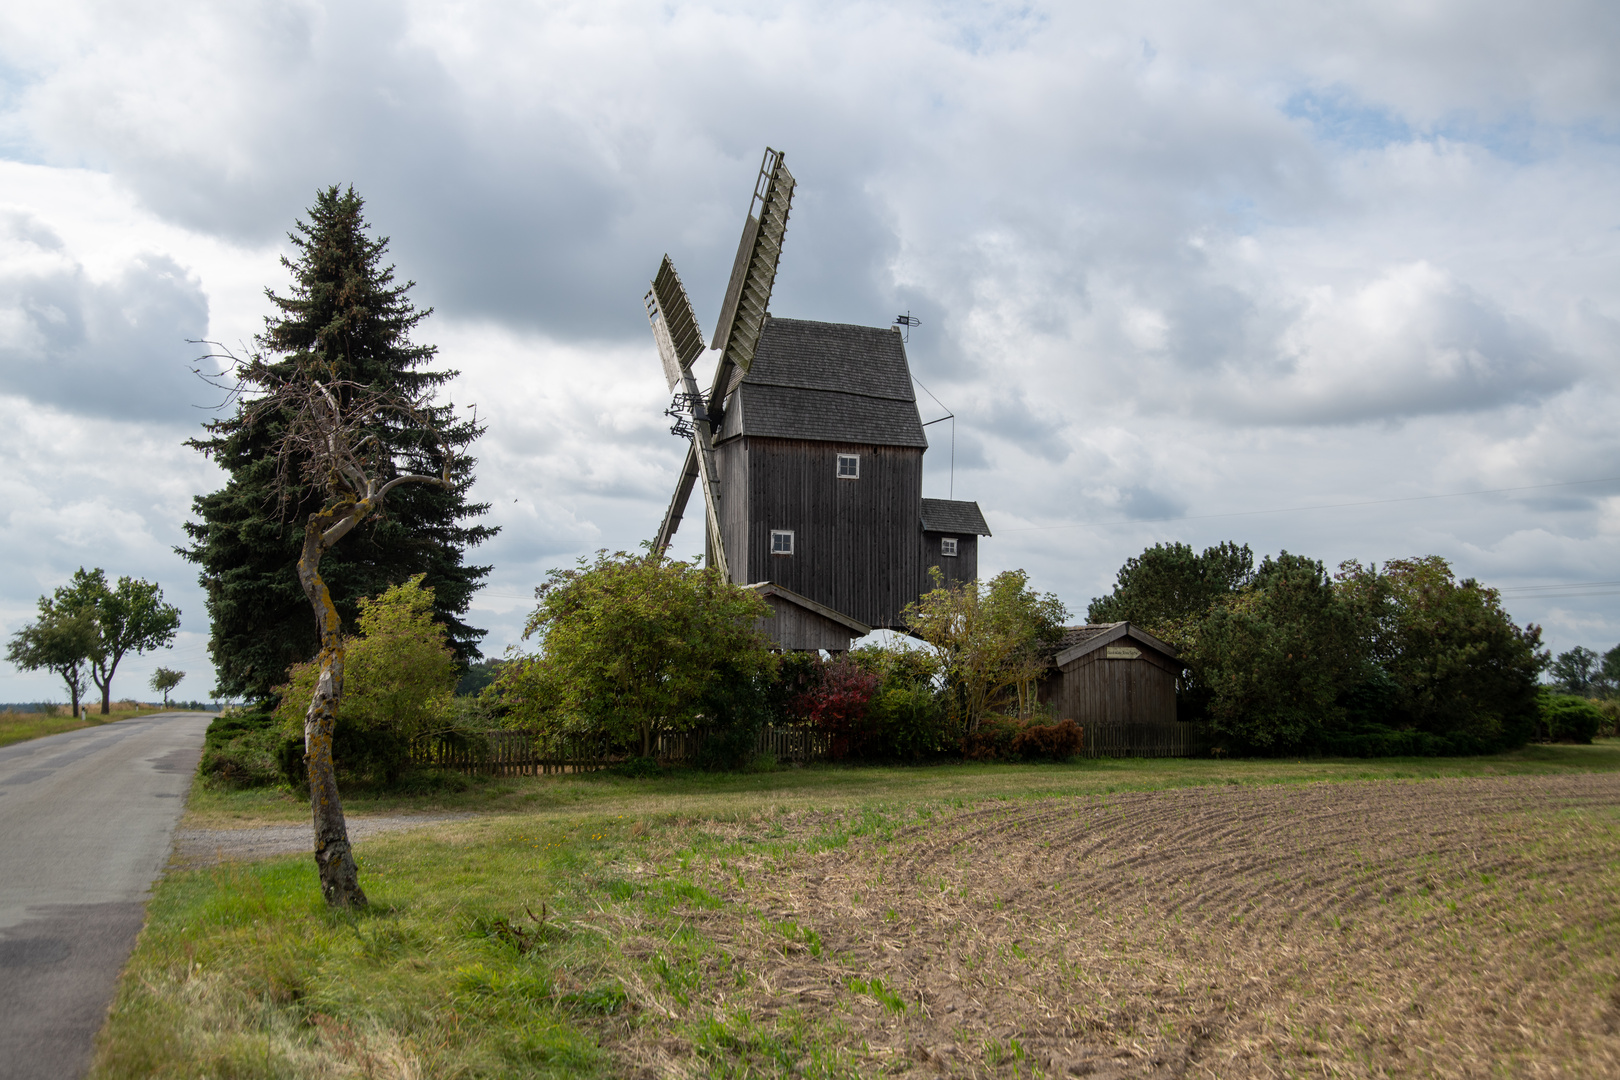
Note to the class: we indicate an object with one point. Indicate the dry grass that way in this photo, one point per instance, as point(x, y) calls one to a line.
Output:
point(693, 794)
point(16, 727)
point(1448, 928)
point(975, 922)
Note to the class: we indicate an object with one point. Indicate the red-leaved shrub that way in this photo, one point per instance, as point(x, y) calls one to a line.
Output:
point(1052, 742)
point(1006, 738)
point(836, 703)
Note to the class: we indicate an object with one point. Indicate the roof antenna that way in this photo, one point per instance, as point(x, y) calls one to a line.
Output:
point(948, 416)
point(908, 320)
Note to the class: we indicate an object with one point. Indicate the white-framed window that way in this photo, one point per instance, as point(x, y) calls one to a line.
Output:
point(849, 466)
point(781, 541)
point(947, 545)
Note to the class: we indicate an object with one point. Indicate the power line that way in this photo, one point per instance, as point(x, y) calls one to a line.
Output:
point(1320, 506)
point(1568, 588)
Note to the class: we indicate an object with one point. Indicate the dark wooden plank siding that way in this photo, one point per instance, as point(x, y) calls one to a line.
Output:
point(1096, 690)
point(855, 541)
point(731, 462)
point(795, 628)
point(964, 567)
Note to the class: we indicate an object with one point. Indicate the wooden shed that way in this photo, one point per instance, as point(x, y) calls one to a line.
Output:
point(799, 623)
point(1114, 673)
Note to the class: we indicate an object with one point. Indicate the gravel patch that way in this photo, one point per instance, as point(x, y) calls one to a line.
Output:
point(210, 847)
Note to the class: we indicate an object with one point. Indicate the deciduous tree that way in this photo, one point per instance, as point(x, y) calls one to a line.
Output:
point(1577, 671)
point(166, 679)
point(1462, 667)
point(1269, 664)
point(633, 644)
point(1170, 582)
point(992, 638)
point(130, 617)
point(328, 437)
point(58, 641)
point(397, 671)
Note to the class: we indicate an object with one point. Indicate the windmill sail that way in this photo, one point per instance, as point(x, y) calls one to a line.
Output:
point(742, 317)
point(748, 295)
point(680, 342)
point(674, 326)
point(677, 504)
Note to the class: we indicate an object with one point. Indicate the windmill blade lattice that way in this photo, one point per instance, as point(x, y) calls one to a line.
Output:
point(748, 294)
point(674, 326)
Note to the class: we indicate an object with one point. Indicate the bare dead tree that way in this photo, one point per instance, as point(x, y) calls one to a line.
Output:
point(325, 439)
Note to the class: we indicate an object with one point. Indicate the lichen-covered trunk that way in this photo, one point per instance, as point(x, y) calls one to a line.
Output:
point(334, 859)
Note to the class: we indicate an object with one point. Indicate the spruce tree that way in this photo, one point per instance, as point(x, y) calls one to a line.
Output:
point(343, 300)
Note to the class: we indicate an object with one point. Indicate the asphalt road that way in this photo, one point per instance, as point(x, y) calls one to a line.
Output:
point(85, 823)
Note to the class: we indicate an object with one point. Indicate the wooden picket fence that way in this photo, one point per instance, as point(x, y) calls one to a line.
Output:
point(1145, 740)
point(794, 744)
point(513, 753)
point(526, 753)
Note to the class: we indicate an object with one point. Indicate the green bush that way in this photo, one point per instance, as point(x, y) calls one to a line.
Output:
point(909, 722)
point(908, 717)
point(1610, 708)
point(737, 704)
point(1007, 738)
point(1566, 717)
point(240, 750)
point(1378, 740)
point(398, 676)
point(631, 645)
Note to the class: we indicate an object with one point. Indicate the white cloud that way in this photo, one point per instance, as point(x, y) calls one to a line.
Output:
point(1170, 259)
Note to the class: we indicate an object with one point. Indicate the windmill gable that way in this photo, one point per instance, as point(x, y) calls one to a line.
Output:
point(825, 382)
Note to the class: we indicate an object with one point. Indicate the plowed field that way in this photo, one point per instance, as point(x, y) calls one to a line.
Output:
point(1443, 927)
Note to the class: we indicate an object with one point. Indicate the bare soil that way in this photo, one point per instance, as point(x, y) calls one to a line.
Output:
point(1444, 927)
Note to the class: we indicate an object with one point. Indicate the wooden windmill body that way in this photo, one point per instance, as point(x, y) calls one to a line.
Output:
point(808, 449)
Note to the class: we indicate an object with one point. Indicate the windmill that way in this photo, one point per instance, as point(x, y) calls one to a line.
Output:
point(808, 448)
point(742, 316)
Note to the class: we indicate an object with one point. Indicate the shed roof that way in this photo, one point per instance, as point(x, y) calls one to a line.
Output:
point(782, 592)
point(831, 382)
point(953, 516)
point(1079, 640)
point(1074, 635)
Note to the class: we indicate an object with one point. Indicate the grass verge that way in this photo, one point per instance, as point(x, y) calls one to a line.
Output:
point(691, 792)
point(18, 727)
point(975, 920)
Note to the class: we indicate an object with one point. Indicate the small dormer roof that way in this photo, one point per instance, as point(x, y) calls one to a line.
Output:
point(953, 516)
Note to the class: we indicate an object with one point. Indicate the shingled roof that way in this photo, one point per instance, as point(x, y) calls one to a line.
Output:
point(1075, 635)
point(950, 516)
point(1079, 640)
point(830, 382)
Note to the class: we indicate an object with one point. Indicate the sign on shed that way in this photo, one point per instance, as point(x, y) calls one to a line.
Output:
point(1086, 685)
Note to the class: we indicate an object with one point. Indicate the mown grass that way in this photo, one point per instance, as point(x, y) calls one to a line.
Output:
point(16, 727)
point(689, 791)
point(564, 934)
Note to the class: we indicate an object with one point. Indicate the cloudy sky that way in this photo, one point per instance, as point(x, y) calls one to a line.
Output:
point(1339, 278)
